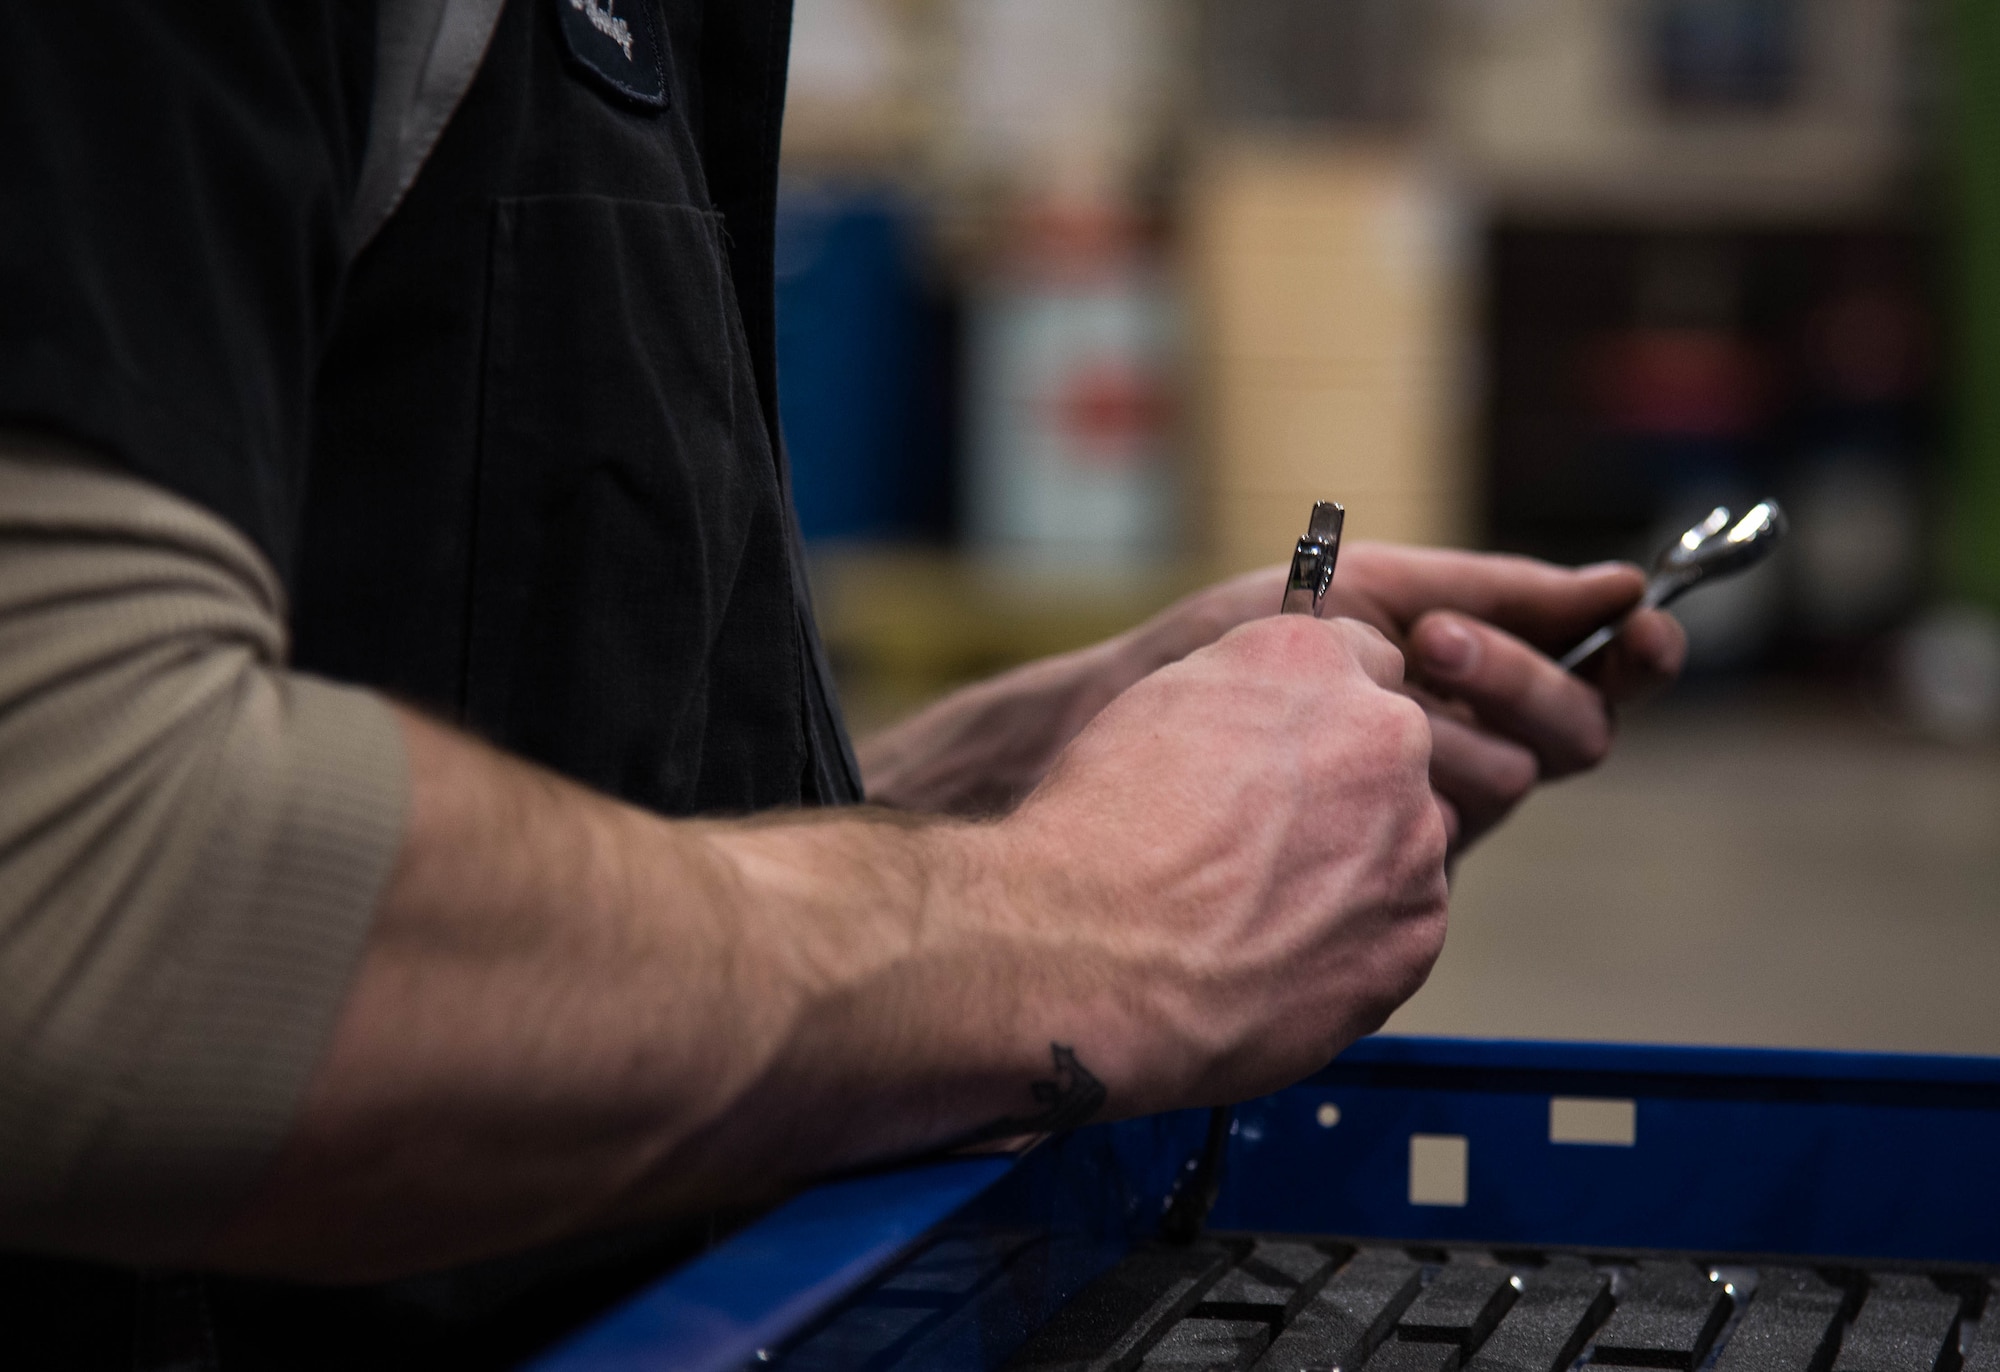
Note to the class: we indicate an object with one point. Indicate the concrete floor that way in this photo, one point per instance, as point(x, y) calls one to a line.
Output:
point(1743, 871)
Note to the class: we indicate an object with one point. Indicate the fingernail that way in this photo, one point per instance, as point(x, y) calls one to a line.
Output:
point(1449, 649)
point(1600, 568)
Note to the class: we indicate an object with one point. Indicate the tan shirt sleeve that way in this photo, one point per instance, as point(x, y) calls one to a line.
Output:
point(193, 840)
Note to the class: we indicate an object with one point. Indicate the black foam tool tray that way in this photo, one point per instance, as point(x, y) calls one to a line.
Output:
point(1667, 1317)
point(1547, 1327)
point(1907, 1324)
point(1352, 1313)
point(1112, 1322)
point(1460, 1306)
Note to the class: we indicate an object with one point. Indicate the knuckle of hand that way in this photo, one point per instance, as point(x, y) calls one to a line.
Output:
point(1424, 848)
point(1393, 745)
point(1390, 659)
point(1415, 953)
point(1437, 851)
point(1273, 649)
point(1411, 732)
point(1431, 940)
point(1298, 637)
point(1425, 852)
point(1362, 638)
point(1431, 931)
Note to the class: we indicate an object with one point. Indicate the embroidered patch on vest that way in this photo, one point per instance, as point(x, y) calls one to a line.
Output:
point(617, 41)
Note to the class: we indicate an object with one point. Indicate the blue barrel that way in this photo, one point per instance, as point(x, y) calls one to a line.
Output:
point(858, 365)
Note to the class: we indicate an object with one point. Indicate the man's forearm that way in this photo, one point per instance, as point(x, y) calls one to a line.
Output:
point(573, 1013)
point(980, 749)
point(546, 1010)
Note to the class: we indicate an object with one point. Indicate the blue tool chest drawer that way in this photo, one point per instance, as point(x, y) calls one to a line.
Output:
point(1421, 1205)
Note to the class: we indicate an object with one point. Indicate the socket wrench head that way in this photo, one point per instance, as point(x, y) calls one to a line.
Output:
point(1313, 561)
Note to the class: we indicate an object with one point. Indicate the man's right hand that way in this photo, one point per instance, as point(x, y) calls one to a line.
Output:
point(1244, 858)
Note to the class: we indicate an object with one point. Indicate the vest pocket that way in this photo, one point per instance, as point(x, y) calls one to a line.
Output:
point(621, 509)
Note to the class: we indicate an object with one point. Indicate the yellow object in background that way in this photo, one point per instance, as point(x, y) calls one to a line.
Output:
point(1328, 280)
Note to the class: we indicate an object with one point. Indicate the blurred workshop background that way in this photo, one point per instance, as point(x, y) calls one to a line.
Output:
point(1084, 302)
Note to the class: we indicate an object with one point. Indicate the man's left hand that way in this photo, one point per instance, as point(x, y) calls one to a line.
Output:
point(1479, 632)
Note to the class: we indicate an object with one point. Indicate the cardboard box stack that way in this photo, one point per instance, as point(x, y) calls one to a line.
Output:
point(1329, 288)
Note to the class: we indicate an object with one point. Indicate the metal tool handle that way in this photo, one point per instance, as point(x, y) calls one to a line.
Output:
point(1662, 590)
point(1313, 561)
point(1710, 551)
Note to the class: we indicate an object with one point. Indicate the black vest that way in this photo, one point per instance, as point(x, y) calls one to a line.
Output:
point(546, 499)
point(546, 495)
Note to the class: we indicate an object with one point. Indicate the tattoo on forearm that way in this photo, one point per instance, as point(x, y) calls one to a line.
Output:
point(1072, 1097)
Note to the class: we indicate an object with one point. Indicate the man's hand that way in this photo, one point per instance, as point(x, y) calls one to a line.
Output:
point(1479, 629)
point(572, 1014)
point(1245, 856)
